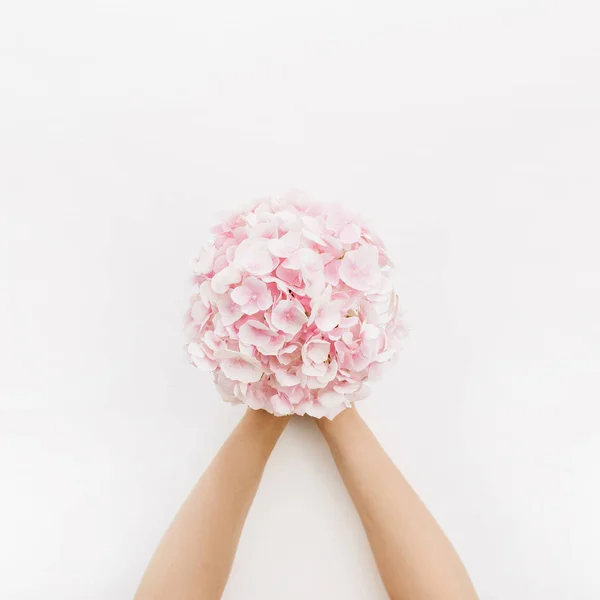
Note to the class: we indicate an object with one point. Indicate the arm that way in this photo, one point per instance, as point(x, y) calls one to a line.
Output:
point(194, 558)
point(414, 557)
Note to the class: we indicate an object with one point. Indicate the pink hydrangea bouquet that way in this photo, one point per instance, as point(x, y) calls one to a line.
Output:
point(294, 308)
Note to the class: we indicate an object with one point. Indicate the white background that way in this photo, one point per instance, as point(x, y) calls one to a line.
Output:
point(466, 132)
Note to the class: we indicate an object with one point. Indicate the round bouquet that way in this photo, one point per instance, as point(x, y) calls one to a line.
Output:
point(294, 309)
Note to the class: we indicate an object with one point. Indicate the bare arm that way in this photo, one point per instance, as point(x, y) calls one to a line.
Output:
point(194, 558)
point(414, 557)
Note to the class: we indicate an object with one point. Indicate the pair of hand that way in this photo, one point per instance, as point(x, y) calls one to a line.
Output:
point(414, 557)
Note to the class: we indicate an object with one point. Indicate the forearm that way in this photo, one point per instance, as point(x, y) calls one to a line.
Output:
point(413, 555)
point(194, 557)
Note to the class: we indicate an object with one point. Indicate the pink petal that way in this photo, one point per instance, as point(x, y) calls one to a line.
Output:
point(336, 219)
point(225, 387)
point(290, 276)
point(314, 370)
point(360, 269)
point(313, 237)
point(253, 256)
point(306, 260)
point(315, 284)
point(241, 295)
point(385, 356)
point(311, 262)
point(296, 394)
point(254, 400)
point(332, 272)
point(260, 293)
point(311, 408)
point(265, 300)
point(329, 316)
point(330, 374)
point(370, 331)
point(199, 357)
point(206, 293)
point(286, 245)
point(212, 341)
point(347, 387)
point(331, 398)
point(218, 326)
point(288, 317)
point(363, 392)
point(257, 334)
point(229, 311)
point(199, 311)
point(333, 411)
point(314, 224)
point(225, 278)
point(253, 295)
point(223, 353)
point(318, 302)
point(350, 234)
point(205, 260)
point(240, 369)
point(286, 378)
point(281, 405)
point(289, 354)
point(264, 230)
point(349, 322)
point(281, 285)
point(318, 350)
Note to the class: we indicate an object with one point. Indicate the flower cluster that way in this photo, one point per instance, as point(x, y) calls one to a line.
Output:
point(294, 308)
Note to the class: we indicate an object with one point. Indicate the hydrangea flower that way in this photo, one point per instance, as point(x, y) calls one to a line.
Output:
point(294, 308)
